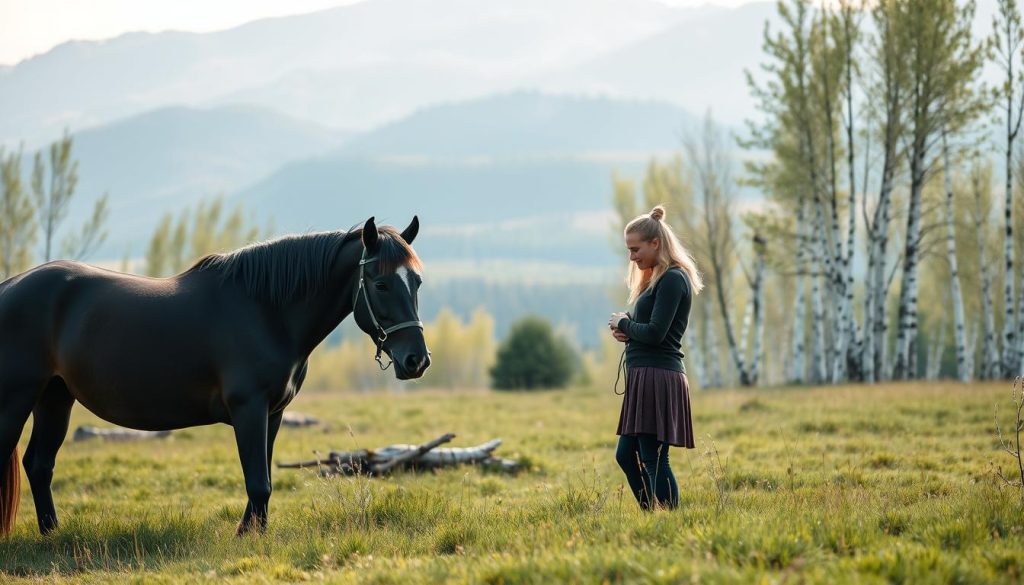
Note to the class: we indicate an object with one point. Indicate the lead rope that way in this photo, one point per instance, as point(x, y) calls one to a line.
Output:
point(618, 374)
point(622, 368)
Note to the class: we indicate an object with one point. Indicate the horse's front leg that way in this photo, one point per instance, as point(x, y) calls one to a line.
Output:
point(249, 417)
point(273, 425)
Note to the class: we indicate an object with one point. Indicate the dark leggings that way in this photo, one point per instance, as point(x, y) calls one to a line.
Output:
point(644, 459)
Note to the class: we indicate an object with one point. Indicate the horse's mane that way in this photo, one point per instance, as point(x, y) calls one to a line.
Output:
point(292, 267)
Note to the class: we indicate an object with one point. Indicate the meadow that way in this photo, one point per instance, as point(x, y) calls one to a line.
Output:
point(892, 483)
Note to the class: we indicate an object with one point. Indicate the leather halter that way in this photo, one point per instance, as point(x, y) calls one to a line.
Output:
point(381, 334)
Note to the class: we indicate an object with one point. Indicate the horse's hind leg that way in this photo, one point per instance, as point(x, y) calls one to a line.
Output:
point(18, 394)
point(49, 427)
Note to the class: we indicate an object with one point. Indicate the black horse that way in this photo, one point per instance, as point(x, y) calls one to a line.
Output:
point(226, 341)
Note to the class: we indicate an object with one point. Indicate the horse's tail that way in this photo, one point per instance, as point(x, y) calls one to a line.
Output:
point(10, 492)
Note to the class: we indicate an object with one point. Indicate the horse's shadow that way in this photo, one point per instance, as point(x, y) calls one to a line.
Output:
point(114, 544)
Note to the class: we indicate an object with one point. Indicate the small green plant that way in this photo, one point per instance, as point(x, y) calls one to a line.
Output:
point(716, 471)
point(1012, 447)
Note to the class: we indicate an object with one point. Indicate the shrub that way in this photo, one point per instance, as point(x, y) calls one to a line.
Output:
point(532, 357)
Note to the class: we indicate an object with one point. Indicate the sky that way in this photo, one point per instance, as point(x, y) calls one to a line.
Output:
point(32, 27)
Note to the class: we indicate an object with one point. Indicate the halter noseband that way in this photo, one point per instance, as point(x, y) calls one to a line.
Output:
point(381, 333)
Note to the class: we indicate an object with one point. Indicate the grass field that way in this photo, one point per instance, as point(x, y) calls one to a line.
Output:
point(851, 484)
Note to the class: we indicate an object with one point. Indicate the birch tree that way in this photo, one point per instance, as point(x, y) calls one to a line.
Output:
point(1008, 38)
point(847, 27)
point(943, 63)
point(956, 297)
point(711, 169)
point(887, 91)
point(981, 175)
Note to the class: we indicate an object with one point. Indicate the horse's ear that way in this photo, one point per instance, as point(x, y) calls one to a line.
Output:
point(410, 232)
point(370, 235)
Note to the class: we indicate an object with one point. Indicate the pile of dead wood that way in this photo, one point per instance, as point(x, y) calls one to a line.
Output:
point(419, 457)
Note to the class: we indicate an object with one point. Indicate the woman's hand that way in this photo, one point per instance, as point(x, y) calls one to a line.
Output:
point(619, 335)
point(613, 323)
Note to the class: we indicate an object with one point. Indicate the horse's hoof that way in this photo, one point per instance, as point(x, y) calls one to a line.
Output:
point(247, 527)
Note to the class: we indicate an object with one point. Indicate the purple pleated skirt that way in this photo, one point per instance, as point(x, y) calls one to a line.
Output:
point(657, 402)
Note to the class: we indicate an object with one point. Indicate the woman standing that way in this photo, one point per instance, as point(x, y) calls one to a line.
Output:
point(655, 413)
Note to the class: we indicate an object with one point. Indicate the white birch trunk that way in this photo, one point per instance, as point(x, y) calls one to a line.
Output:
point(990, 366)
point(734, 350)
point(972, 346)
point(758, 303)
point(963, 373)
point(854, 356)
point(748, 315)
point(875, 323)
point(797, 368)
point(935, 356)
point(1009, 323)
point(710, 356)
point(1009, 40)
point(824, 245)
point(868, 347)
point(818, 365)
point(907, 333)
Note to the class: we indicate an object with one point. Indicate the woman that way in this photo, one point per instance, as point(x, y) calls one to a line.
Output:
point(662, 279)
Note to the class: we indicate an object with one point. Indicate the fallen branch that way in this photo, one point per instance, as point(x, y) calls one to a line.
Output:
point(403, 455)
point(425, 456)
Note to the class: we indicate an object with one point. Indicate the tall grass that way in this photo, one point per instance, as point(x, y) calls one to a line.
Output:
point(851, 484)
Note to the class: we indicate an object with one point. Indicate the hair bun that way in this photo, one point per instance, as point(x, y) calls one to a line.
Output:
point(658, 213)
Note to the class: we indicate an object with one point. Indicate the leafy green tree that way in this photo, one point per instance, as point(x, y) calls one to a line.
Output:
point(944, 61)
point(177, 244)
point(17, 218)
point(532, 357)
point(53, 192)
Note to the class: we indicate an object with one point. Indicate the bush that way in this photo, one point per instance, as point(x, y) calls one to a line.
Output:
point(532, 357)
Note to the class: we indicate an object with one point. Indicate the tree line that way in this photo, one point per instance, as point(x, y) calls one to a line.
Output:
point(33, 211)
point(881, 231)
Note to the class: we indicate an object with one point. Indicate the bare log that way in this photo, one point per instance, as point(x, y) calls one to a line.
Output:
point(403, 455)
point(84, 433)
point(297, 419)
point(426, 456)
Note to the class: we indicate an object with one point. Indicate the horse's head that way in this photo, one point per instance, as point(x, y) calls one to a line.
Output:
point(386, 305)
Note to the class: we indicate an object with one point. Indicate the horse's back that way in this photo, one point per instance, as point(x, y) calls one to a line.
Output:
point(29, 310)
point(131, 349)
point(41, 301)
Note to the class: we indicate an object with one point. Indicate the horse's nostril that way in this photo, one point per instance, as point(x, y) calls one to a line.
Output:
point(413, 362)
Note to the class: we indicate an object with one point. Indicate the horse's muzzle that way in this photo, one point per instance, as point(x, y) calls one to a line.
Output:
point(413, 366)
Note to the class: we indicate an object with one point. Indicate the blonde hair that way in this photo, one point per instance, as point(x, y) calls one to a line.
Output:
point(652, 226)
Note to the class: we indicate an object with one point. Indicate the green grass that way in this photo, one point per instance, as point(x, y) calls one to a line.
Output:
point(884, 484)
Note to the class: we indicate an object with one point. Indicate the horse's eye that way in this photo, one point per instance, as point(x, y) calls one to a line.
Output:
point(381, 286)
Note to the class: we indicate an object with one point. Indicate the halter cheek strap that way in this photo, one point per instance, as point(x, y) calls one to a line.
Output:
point(381, 333)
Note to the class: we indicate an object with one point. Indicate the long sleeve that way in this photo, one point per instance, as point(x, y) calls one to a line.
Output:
point(671, 288)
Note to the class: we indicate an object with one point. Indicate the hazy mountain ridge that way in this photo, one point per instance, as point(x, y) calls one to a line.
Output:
point(522, 168)
point(166, 159)
point(79, 84)
point(527, 123)
point(674, 65)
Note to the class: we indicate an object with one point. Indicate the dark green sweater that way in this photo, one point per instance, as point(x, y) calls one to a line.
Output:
point(659, 320)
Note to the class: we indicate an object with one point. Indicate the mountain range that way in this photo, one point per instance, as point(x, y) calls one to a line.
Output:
point(359, 66)
point(500, 123)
